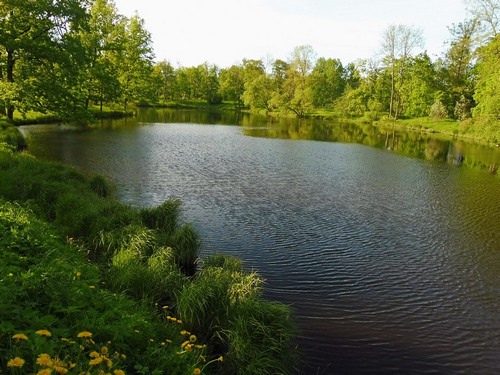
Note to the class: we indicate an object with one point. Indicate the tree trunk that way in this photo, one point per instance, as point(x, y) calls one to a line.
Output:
point(393, 89)
point(3, 111)
point(10, 78)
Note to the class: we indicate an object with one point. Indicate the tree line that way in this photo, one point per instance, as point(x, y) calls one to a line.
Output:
point(63, 56)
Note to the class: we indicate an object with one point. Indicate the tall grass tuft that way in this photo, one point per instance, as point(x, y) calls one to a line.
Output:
point(164, 217)
point(260, 339)
point(186, 245)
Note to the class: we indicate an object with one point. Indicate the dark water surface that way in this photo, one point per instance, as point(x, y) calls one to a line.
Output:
point(389, 255)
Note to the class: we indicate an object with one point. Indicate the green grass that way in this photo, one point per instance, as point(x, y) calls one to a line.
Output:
point(74, 259)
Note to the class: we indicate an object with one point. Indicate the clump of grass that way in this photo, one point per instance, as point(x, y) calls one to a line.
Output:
point(74, 259)
point(47, 285)
point(164, 217)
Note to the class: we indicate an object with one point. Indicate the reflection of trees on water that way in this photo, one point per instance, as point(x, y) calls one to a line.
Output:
point(414, 144)
point(419, 145)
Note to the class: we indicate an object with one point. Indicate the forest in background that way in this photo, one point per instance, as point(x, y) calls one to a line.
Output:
point(64, 57)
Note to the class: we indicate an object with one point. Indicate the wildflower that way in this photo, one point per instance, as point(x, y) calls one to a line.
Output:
point(20, 337)
point(184, 344)
point(123, 356)
point(168, 341)
point(84, 334)
point(94, 355)
point(109, 363)
point(44, 360)
point(173, 319)
point(169, 317)
point(184, 332)
point(119, 372)
point(220, 359)
point(78, 274)
point(45, 371)
point(96, 361)
point(43, 332)
point(16, 362)
point(104, 350)
point(61, 370)
point(72, 365)
point(192, 338)
point(179, 321)
point(197, 371)
point(58, 363)
point(165, 307)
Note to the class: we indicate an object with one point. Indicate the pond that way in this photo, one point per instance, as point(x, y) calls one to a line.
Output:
point(385, 243)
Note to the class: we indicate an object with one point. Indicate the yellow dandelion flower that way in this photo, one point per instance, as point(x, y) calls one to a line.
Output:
point(72, 365)
point(109, 363)
point(45, 371)
point(57, 362)
point(197, 371)
point(165, 307)
point(119, 372)
point(179, 321)
point(94, 354)
point(163, 344)
point(199, 346)
point(44, 360)
point(20, 337)
point(189, 347)
point(184, 344)
point(78, 274)
point(169, 317)
point(16, 362)
point(184, 332)
point(84, 334)
point(192, 338)
point(96, 361)
point(173, 319)
point(104, 350)
point(43, 332)
point(60, 370)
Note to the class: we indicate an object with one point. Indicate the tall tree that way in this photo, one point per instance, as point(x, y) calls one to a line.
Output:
point(134, 61)
point(458, 64)
point(165, 79)
point(39, 33)
point(327, 81)
point(102, 40)
point(487, 12)
point(397, 46)
point(232, 84)
point(487, 93)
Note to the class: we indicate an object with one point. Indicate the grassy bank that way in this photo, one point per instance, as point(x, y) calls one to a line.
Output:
point(90, 284)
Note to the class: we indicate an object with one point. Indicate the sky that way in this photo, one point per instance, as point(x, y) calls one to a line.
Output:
point(224, 32)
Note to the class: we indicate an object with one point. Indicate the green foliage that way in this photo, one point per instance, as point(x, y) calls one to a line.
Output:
point(76, 260)
point(487, 93)
point(50, 294)
point(438, 110)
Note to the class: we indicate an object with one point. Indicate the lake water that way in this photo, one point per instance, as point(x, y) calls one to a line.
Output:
point(386, 244)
